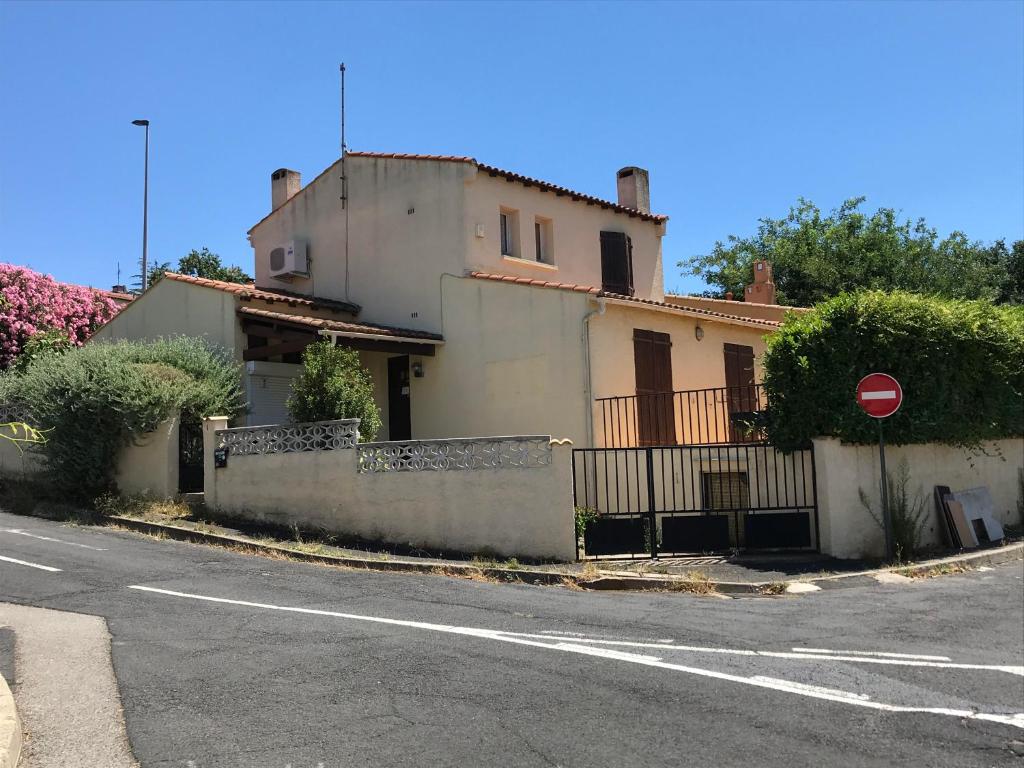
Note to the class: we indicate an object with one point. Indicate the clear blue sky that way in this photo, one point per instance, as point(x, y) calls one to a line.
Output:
point(737, 109)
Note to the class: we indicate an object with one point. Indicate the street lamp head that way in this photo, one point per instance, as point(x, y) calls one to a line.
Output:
point(140, 122)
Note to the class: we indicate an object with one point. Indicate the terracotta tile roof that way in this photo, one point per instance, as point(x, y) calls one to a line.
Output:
point(247, 291)
point(410, 156)
point(537, 283)
point(524, 180)
point(318, 323)
point(698, 300)
point(492, 171)
point(121, 298)
point(691, 311)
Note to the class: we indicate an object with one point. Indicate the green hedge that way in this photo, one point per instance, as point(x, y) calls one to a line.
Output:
point(960, 363)
point(91, 401)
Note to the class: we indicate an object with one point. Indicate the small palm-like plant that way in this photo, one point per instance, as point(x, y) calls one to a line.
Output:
point(907, 512)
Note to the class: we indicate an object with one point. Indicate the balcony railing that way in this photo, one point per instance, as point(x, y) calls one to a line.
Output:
point(715, 416)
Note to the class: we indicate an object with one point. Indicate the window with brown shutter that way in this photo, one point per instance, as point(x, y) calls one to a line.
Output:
point(740, 392)
point(617, 263)
point(655, 408)
point(726, 490)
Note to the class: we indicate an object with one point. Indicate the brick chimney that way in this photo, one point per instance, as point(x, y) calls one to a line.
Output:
point(284, 185)
point(762, 290)
point(634, 188)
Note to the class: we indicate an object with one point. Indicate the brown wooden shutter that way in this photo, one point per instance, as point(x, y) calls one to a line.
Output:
point(655, 411)
point(740, 393)
point(617, 263)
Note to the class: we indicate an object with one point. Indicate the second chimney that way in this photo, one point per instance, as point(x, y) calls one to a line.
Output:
point(284, 185)
point(634, 189)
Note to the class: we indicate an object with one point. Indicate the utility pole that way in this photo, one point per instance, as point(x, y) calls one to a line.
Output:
point(145, 205)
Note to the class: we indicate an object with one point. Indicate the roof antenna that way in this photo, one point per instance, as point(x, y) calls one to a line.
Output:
point(344, 177)
point(344, 148)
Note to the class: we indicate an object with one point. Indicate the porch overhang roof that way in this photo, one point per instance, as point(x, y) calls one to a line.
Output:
point(365, 336)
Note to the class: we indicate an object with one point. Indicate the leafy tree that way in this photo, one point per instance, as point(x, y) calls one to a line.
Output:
point(34, 304)
point(333, 385)
point(202, 263)
point(1013, 288)
point(816, 256)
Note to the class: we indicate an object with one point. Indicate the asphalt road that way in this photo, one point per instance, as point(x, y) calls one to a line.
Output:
point(233, 660)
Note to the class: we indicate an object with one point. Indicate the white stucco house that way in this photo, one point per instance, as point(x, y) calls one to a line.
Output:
point(482, 301)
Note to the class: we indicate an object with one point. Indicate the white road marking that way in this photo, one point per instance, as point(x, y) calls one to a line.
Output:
point(30, 565)
point(858, 657)
point(879, 394)
point(49, 538)
point(800, 687)
point(917, 656)
point(842, 697)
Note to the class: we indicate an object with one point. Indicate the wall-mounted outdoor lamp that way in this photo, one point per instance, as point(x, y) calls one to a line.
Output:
point(698, 332)
point(417, 369)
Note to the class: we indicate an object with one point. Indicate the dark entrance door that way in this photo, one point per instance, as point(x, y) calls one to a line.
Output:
point(740, 392)
point(655, 416)
point(190, 456)
point(399, 413)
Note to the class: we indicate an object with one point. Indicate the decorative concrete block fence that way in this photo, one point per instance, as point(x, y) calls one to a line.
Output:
point(508, 495)
point(848, 530)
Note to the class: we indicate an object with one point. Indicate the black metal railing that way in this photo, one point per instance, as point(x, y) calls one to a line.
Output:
point(714, 416)
point(642, 502)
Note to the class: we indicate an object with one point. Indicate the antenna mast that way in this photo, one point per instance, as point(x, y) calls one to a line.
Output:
point(344, 176)
point(344, 148)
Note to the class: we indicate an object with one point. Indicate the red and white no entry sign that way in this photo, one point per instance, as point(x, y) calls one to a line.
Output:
point(879, 395)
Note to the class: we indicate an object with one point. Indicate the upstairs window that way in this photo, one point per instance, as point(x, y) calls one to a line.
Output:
point(542, 235)
point(508, 230)
point(617, 263)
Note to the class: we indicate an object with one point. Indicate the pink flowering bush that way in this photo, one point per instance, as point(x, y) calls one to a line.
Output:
point(32, 303)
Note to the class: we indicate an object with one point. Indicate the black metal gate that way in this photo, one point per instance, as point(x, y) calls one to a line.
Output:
point(190, 457)
point(676, 500)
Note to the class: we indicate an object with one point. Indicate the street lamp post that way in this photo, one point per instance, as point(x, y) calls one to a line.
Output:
point(145, 203)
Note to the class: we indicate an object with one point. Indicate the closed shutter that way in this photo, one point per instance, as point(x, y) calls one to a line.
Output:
point(726, 490)
point(655, 407)
point(740, 392)
point(617, 263)
point(268, 398)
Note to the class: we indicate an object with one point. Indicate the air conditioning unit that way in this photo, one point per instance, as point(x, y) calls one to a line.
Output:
point(288, 260)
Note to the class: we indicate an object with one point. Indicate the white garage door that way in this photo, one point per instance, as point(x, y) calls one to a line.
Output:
point(268, 387)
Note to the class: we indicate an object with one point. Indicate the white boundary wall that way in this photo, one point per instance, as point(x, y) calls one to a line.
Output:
point(15, 462)
point(507, 495)
point(848, 531)
point(148, 466)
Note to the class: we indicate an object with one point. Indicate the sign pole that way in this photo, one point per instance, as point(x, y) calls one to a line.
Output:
point(886, 514)
point(879, 395)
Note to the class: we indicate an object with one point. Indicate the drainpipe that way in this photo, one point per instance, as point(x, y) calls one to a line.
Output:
point(586, 356)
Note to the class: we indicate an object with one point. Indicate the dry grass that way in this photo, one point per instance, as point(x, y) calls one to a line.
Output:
point(142, 508)
point(590, 571)
point(774, 588)
point(695, 583)
point(940, 569)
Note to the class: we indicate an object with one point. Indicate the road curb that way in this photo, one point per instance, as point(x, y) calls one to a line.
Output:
point(994, 556)
point(10, 728)
point(524, 575)
point(603, 582)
